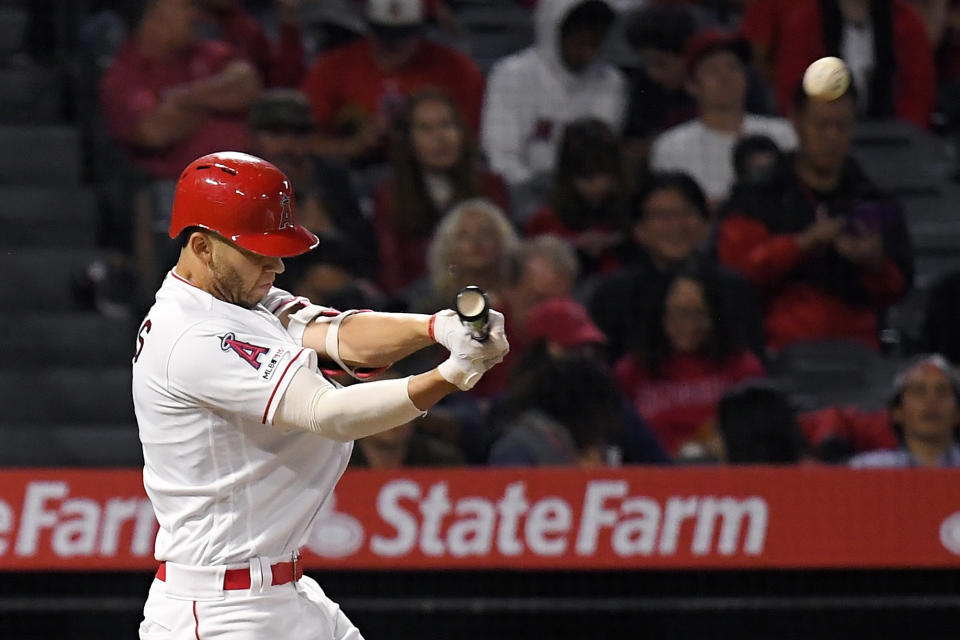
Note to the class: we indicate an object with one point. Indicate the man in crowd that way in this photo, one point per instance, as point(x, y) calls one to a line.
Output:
point(826, 248)
point(357, 90)
point(169, 97)
point(925, 414)
point(717, 69)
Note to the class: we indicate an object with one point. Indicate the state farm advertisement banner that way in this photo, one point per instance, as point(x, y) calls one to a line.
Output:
point(556, 519)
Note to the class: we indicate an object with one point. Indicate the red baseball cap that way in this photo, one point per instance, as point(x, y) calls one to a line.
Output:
point(563, 321)
point(710, 40)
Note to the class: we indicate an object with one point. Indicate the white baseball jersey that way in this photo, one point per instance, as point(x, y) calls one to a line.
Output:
point(207, 378)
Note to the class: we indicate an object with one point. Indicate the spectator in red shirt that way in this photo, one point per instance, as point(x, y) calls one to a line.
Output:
point(688, 353)
point(281, 64)
point(434, 166)
point(170, 98)
point(824, 245)
point(357, 90)
point(589, 196)
point(885, 44)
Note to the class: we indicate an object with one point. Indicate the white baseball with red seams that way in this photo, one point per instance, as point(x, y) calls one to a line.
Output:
point(227, 492)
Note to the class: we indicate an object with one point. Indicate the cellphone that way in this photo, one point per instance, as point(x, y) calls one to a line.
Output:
point(872, 215)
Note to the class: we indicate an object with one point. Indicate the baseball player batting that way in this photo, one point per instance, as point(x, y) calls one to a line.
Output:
point(243, 437)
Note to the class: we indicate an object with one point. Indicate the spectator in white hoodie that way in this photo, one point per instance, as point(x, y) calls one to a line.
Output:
point(531, 95)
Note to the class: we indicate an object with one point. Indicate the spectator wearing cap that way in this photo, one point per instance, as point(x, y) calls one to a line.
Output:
point(590, 193)
point(169, 97)
point(357, 90)
point(434, 166)
point(826, 248)
point(280, 63)
point(531, 95)
point(659, 98)
point(717, 79)
point(885, 45)
point(667, 225)
point(688, 352)
point(925, 415)
point(543, 267)
point(280, 128)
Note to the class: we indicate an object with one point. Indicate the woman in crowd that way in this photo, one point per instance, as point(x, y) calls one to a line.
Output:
point(434, 166)
point(688, 353)
point(472, 245)
point(589, 196)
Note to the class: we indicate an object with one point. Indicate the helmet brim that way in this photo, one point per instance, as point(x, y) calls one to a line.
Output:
point(286, 243)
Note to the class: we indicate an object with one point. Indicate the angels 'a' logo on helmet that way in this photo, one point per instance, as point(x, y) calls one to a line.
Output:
point(286, 213)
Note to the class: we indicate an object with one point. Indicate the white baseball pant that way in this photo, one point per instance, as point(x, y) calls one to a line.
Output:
point(194, 606)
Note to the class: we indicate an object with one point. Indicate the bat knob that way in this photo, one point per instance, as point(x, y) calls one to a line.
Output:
point(473, 307)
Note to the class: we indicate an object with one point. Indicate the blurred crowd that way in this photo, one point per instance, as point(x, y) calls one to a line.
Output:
point(658, 220)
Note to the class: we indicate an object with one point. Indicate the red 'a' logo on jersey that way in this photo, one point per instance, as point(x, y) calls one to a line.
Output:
point(286, 213)
point(249, 352)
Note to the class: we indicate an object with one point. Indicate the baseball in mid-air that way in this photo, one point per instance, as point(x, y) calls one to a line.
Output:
point(826, 78)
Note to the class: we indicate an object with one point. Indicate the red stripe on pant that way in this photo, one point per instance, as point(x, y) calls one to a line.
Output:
point(196, 620)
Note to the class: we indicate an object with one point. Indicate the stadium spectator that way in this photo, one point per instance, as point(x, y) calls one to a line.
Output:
point(170, 98)
point(589, 197)
point(687, 355)
point(472, 245)
point(434, 166)
point(925, 415)
point(824, 245)
point(559, 410)
point(357, 90)
point(281, 64)
point(717, 70)
point(668, 224)
point(280, 128)
point(757, 424)
point(659, 98)
point(532, 94)
point(543, 267)
point(885, 45)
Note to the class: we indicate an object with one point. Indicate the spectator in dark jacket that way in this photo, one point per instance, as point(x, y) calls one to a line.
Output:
point(825, 246)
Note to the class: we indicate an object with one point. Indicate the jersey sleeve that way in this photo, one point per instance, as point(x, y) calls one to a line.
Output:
point(234, 372)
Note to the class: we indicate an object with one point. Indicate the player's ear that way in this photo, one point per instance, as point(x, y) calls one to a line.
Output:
point(200, 244)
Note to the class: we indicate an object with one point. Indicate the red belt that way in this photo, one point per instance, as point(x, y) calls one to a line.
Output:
point(283, 572)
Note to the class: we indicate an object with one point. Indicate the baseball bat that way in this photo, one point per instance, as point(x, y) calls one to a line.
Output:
point(473, 307)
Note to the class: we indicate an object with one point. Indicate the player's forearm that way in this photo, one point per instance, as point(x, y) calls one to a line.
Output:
point(373, 339)
point(312, 404)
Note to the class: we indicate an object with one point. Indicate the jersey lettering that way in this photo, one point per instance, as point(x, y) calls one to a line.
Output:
point(249, 352)
point(144, 328)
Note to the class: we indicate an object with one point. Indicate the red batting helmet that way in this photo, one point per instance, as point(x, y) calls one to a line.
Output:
point(243, 198)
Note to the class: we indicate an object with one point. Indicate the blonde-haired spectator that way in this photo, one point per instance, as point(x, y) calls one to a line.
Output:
point(472, 245)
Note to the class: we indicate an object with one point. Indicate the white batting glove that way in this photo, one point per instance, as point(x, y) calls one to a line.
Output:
point(445, 326)
point(470, 359)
